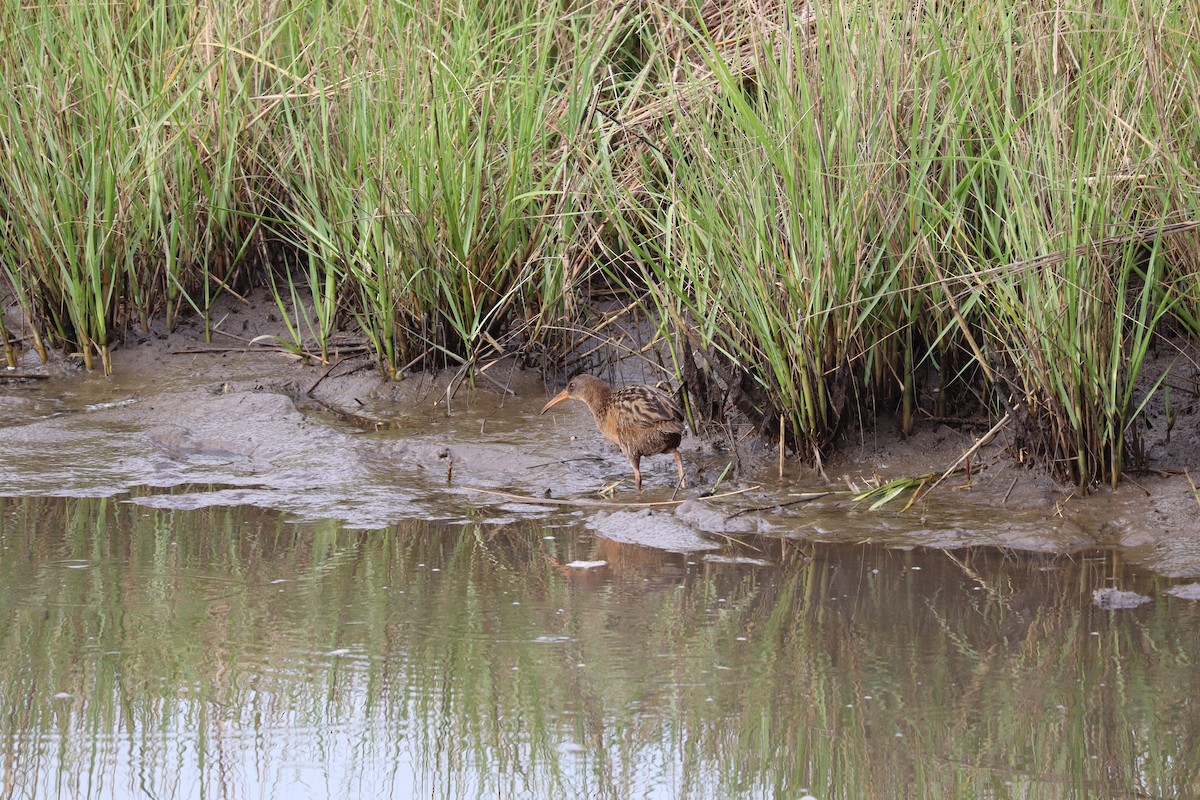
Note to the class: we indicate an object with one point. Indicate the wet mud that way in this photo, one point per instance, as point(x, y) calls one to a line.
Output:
point(191, 424)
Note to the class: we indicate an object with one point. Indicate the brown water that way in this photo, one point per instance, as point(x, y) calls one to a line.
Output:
point(228, 652)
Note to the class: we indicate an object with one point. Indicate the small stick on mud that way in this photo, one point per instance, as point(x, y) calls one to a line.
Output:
point(806, 499)
point(782, 432)
point(452, 387)
point(482, 372)
point(412, 363)
point(983, 440)
point(326, 373)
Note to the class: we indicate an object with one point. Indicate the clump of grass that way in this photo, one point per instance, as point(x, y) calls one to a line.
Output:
point(435, 211)
point(109, 170)
point(1073, 283)
point(779, 232)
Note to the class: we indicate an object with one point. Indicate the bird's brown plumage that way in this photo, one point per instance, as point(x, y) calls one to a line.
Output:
point(641, 420)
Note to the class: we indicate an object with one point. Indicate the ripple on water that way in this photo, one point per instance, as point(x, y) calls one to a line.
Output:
point(433, 646)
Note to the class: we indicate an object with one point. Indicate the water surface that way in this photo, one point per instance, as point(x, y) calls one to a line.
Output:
point(227, 652)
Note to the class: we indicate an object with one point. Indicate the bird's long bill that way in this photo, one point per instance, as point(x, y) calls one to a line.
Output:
point(558, 398)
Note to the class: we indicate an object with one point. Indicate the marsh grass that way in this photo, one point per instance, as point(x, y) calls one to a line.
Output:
point(869, 209)
point(974, 197)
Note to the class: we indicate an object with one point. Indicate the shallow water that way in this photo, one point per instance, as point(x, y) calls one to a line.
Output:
point(186, 439)
point(229, 652)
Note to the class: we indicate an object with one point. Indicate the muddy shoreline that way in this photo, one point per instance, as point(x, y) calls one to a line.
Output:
point(185, 424)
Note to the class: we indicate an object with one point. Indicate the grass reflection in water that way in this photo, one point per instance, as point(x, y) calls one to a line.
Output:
point(227, 652)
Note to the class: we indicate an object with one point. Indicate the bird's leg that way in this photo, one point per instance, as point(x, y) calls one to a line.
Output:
point(679, 466)
point(637, 471)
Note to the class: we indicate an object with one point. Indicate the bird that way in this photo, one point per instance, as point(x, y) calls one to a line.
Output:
point(641, 420)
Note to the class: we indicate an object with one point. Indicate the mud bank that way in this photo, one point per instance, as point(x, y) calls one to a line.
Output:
point(185, 423)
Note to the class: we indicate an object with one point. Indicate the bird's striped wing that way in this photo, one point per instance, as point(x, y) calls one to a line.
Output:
point(645, 407)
